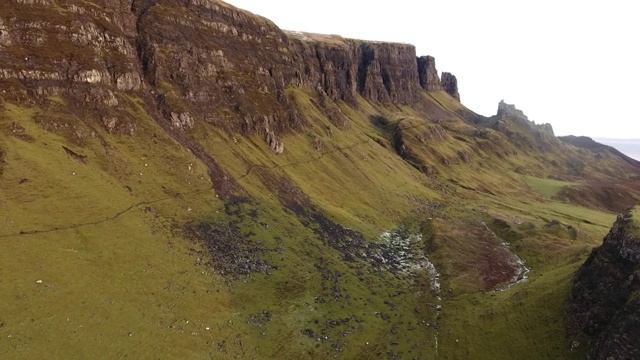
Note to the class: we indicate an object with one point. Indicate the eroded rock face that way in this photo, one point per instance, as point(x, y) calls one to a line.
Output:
point(346, 68)
point(388, 72)
point(274, 142)
point(5, 37)
point(450, 85)
point(329, 66)
point(429, 79)
point(605, 300)
point(223, 65)
point(509, 110)
point(195, 61)
point(80, 51)
point(509, 119)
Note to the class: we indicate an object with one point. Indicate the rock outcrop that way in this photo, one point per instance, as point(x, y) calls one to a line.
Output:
point(428, 74)
point(226, 66)
point(327, 64)
point(388, 72)
point(346, 68)
point(450, 85)
point(605, 301)
point(509, 111)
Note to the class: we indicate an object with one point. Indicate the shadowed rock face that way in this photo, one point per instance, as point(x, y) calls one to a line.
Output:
point(330, 67)
point(605, 301)
point(223, 66)
point(195, 60)
point(429, 79)
point(389, 72)
point(450, 85)
point(346, 68)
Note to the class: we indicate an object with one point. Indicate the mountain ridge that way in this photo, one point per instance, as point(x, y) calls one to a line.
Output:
point(592, 145)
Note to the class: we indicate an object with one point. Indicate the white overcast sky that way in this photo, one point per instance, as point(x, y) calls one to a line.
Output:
point(574, 64)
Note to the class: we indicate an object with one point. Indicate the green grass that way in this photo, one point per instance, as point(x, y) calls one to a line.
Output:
point(525, 322)
point(445, 101)
point(96, 261)
point(107, 267)
point(119, 279)
point(635, 213)
point(56, 190)
point(109, 264)
point(547, 187)
point(120, 288)
point(56, 99)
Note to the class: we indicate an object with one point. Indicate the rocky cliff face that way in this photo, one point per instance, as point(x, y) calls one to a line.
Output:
point(429, 79)
point(388, 72)
point(213, 63)
point(80, 51)
point(346, 68)
point(605, 301)
point(326, 64)
point(193, 61)
point(450, 85)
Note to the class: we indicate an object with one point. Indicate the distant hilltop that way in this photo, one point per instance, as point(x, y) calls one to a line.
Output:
point(632, 148)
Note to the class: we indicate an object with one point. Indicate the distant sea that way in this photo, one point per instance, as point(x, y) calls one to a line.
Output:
point(629, 147)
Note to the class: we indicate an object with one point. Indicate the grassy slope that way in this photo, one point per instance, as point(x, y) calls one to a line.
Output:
point(547, 187)
point(113, 269)
point(525, 322)
point(117, 280)
point(546, 252)
point(636, 221)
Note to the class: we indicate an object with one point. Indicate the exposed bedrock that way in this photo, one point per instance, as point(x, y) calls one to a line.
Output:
point(194, 61)
point(605, 300)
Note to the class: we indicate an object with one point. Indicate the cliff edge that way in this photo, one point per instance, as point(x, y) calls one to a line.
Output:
point(195, 62)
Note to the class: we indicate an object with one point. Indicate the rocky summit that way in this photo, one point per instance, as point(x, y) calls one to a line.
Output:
point(184, 179)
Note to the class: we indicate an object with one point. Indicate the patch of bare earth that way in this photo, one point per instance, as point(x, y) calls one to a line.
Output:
point(478, 258)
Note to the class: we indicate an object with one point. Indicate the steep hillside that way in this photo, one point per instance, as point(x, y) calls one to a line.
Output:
point(605, 302)
point(184, 179)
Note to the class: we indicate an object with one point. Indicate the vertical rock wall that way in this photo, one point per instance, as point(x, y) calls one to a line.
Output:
point(450, 85)
point(196, 60)
point(428, 74)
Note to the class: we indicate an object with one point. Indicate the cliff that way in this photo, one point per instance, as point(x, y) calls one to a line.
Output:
point(429, 79)
point(450, 85)
point(345, 68)
point(193, 61)
point(605, 300)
